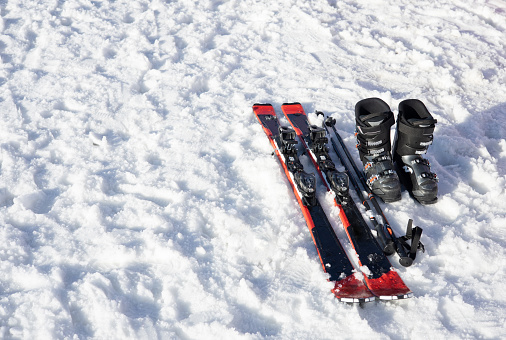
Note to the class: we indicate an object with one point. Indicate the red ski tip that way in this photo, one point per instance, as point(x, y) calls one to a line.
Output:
point(389, 287)
point(352, 290)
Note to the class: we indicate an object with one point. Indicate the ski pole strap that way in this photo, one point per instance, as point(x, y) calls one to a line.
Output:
point(413, 234)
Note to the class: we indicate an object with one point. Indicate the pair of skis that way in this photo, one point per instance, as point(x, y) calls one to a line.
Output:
point(376, 279)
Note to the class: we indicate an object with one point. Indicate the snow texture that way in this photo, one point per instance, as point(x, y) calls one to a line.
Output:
point(139, 198)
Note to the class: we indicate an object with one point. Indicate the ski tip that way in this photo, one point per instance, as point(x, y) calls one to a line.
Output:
point(294, 103)
point(258, 104)
point(352, 290)
point(389, 287)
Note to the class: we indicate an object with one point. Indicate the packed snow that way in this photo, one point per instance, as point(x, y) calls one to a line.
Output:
point(139, 198)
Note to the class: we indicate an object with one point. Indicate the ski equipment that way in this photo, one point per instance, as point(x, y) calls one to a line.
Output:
point(380, 277)
point(414, 135)
point(348, 285)
point(373, 119)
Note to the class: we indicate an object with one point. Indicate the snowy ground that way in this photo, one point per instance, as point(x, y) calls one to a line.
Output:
point(139, 199)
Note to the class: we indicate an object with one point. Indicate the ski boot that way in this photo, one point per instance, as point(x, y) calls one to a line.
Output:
point(414, 134)
point(373, 119)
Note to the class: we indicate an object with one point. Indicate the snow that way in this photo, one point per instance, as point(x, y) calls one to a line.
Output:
point(139, 198)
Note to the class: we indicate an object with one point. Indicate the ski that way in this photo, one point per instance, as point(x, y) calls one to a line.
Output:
point(381, 279)
point(348, 285)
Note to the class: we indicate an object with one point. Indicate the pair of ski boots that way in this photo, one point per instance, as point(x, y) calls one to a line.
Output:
point(414, 134)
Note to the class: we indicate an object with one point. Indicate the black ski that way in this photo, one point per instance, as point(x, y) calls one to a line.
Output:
point(349, 286)
point(381, 279)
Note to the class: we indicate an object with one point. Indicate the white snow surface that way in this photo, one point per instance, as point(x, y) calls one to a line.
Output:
point(139, 198)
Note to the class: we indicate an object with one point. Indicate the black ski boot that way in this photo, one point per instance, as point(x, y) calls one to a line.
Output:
point(374, 119)
point(414, 134)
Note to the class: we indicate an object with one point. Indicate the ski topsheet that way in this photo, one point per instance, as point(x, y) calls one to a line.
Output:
point(381, 279)
point(349, 286)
